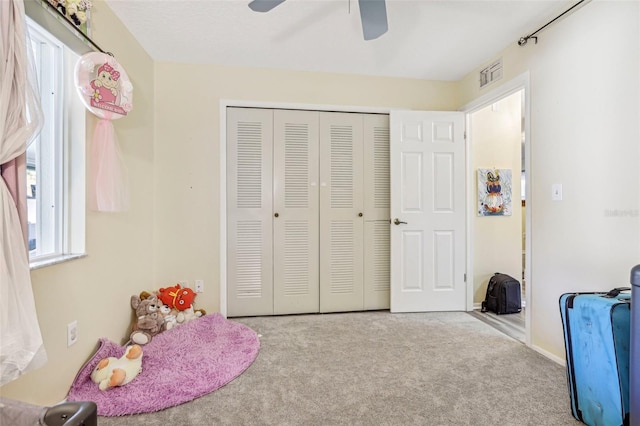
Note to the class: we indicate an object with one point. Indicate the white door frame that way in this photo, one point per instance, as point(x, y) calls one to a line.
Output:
point(224, 103)
point(517, 84)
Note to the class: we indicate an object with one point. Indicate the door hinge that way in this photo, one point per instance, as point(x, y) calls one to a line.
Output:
point(465, 277)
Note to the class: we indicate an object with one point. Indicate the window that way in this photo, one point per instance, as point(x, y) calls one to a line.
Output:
point(56, 157)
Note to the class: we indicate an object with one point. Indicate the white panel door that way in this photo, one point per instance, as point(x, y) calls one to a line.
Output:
point(295, 219)
point(377, 190)
point(428, 211)
point(249, 210)
point(341, 212)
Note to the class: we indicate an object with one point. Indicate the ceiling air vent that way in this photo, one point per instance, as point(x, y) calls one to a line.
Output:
point(491, 73)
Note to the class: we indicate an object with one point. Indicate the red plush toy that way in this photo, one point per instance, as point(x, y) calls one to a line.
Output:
point(177, 297)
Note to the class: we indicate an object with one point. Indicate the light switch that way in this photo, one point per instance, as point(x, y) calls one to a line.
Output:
point(556, 192)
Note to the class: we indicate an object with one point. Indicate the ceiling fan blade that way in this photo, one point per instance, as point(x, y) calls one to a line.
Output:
point(373, 14)
point(264, 5)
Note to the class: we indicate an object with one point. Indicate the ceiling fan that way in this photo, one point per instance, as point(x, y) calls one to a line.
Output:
point(373, 15)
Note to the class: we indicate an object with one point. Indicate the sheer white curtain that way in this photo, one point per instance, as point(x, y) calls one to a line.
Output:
point(21, 347)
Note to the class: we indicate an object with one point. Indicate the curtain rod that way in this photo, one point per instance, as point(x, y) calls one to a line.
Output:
point(75, 28)
point(525, 39)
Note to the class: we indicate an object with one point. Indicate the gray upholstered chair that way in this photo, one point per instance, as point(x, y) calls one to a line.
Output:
point(18, 413)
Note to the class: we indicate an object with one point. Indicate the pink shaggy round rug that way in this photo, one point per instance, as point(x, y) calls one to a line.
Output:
point(178, 366)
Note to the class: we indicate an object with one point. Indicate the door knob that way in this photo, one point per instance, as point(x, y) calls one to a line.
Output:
point(398, 221)
point(276, 214)
point(359, 214)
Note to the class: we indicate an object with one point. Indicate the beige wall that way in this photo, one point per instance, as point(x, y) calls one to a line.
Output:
point(171, 232)
point(95, 290)
point(584, 99)
point(584, 80)
point(188, 148)
point(495, 138)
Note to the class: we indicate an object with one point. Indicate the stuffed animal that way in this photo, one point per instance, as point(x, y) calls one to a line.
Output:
point(114, 371)
point(149, 319)
point(169, 317)
point(183, 317)
point(166, 312)
point(145, 295)
point(177, 297)
point(76, 11)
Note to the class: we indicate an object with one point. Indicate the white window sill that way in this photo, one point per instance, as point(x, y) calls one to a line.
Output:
point(37, 264)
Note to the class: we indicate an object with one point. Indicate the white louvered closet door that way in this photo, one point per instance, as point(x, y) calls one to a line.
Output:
point(296, 220)
point(249, 212)
point(377, 228)
point(341, 212)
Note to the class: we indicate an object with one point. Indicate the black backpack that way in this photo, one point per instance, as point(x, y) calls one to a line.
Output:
point(503, 295)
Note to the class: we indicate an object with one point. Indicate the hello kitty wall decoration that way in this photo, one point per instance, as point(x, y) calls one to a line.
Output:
point(105, 90)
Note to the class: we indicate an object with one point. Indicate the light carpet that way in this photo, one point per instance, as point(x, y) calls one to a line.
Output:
point(378, 368)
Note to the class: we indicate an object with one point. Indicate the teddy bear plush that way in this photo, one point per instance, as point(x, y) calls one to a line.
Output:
point(149, 319)
point(114, 371)
point(167, 313)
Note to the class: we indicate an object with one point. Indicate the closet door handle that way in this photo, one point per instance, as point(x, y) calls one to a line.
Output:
point(398, 221)
point(360, 214)
point(276, 215)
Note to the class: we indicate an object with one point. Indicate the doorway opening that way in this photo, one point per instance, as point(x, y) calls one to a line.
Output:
point(498, 148)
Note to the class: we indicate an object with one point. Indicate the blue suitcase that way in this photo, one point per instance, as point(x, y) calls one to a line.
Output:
point(597, 343)
point(634, 379)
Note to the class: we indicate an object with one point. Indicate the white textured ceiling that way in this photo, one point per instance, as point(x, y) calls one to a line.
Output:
point(427, 39)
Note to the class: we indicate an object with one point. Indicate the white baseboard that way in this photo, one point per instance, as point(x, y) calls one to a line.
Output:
point(549, 355)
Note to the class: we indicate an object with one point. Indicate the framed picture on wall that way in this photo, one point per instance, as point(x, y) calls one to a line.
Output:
point(494, 192)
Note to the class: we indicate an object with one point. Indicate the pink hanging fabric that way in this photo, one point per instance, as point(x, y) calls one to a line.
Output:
point(108, 173)
point(14, 175)
point(22, 348)
point(105, 90)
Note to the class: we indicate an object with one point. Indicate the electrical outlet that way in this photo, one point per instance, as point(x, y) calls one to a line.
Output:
point(199, 286)
point(183, 283)
point(72, 333)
